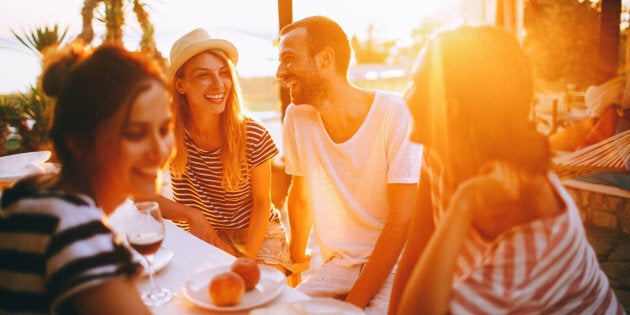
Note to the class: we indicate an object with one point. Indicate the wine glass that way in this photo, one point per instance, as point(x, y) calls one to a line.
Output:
point(145, 232)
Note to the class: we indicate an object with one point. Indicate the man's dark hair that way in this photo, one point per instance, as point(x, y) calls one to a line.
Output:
point(323, 32)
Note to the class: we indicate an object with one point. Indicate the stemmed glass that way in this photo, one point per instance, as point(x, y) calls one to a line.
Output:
point(145, 232)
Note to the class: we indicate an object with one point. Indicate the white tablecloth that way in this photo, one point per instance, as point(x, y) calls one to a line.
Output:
point(191, 255)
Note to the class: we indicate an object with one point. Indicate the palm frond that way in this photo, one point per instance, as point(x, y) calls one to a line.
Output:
point(36, 107)
point(41, 37)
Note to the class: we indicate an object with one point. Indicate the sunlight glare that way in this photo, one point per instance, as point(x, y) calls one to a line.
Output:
point(390, 19)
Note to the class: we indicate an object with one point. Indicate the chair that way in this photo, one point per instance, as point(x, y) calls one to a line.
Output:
point(576, 107)
point(546, 112)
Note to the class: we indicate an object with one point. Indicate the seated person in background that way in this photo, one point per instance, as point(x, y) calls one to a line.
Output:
point(611, 109)
point(493, 230)
point(112, 134)
point(608, 116)
point(221, 173)
point(354, 170)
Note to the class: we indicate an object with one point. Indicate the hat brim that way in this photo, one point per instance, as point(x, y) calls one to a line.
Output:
point(211, 44)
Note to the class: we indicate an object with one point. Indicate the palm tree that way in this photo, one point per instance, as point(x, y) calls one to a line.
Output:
point(33, 105)
point(147, 43)
point(41, 38)
point(16, 111)
point(37, 107)
point(114, 19)
point(9, 113)
point(372, 50)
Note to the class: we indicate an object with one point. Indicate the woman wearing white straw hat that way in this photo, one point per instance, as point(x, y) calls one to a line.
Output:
point(221, 174)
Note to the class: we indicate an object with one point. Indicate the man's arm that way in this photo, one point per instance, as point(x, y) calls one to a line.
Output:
point(388, 246)
point(300, 219)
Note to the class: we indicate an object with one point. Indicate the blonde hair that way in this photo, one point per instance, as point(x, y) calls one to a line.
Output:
point(233, 127)
point(480, 84)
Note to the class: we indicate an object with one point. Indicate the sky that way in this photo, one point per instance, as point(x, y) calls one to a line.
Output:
point(252, 25)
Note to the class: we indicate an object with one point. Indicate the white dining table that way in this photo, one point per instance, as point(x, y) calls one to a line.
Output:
point(191, 255)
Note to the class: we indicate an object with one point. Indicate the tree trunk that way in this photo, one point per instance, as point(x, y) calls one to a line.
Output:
point(285, 17)
point(87, 13)
point(608, 56)
point(281, 180)
point(114, 21)
point(147, 43)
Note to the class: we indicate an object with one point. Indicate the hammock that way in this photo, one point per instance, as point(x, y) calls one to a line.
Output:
point(609, 155)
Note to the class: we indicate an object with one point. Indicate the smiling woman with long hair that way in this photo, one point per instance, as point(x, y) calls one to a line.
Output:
point(221, 174)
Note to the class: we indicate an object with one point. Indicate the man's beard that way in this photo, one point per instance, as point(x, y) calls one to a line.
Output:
point(312, 90)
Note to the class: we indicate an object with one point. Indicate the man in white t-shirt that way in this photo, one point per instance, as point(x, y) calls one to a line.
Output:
point(354, 171)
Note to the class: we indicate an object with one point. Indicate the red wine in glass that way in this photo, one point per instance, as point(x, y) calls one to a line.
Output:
point(145, 233)
point(146, 243)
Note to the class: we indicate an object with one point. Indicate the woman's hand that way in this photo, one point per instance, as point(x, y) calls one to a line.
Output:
point(201, 228)
point(493, 199)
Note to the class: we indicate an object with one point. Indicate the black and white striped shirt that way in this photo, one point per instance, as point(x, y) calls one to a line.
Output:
point(53, 245)
point(200, 186)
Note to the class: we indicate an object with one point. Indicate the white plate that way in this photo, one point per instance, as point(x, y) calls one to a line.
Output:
point(162, 257)
point(269, 287)
point(16, 166)
point(313, 306)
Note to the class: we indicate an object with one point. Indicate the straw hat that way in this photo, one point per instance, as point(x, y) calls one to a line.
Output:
point(193, 43)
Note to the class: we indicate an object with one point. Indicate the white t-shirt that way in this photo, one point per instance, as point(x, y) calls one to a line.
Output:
point(347, 182)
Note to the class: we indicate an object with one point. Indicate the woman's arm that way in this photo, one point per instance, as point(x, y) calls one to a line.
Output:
point(420, 229)
point(428, 290)
point(261, 192)
point(199, 225)
point(115, 296)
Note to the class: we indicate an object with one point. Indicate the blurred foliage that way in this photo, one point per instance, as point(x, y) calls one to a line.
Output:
point(393, 84)
point(42, 37)
point(562, 39)
point(420, 35)
point(37, 108)
point(112, 15)
point(113, 19)
point(29, 114)
point(261, 93)
point(372, 49)
point(10, 113)
point(377, 50)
